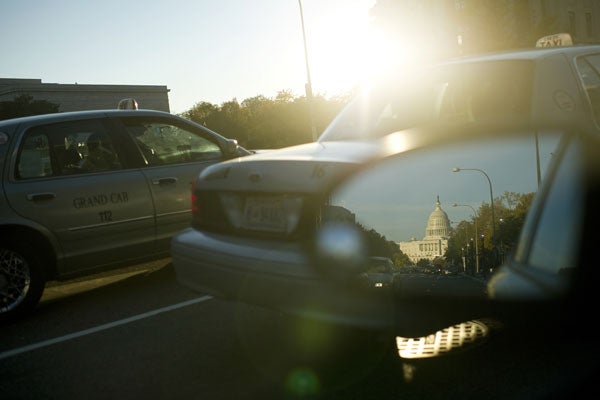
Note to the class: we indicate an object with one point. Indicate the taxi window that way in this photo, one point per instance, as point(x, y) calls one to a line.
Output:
point(555, 242)
point(473, 92)
point(589, 70)
point(66, 148)
point(166, 143)
point(34, 158)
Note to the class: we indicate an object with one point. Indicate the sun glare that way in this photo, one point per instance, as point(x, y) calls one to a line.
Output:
point(346, 49)
point(339, 48)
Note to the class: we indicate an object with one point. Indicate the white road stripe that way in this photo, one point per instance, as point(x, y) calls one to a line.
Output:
point(99, 328)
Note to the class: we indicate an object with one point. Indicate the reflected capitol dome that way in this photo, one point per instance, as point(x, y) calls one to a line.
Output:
point(435, 242)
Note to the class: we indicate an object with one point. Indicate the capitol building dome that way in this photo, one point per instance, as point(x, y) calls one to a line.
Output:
point(438, 225)
point(435, 242)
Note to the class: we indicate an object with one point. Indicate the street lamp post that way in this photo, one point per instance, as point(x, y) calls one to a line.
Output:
point(456, 169)
point(308, 87)
point(476, 234)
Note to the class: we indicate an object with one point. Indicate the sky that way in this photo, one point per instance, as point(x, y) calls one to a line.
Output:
point(398, 206)
point(202, 50)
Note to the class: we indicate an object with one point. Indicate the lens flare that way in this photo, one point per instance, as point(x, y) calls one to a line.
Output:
point(302, 382)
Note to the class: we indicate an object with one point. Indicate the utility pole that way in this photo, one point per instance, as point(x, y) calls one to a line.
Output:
point(308, 86)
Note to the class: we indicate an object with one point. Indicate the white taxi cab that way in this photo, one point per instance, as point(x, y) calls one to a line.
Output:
point(87, 191)
point(254, 219)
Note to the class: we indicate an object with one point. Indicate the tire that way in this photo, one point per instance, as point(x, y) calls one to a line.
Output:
point(21, 279)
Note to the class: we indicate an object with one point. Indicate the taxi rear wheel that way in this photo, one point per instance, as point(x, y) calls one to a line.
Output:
point(21, 279)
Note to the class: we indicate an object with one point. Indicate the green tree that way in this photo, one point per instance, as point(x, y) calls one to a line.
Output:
point(511, 220)
point(380, 246)
point(459, 237)
point(260, 122)
point(200, 112)
point(510, 211)
point(401, 260)
point(24, 105)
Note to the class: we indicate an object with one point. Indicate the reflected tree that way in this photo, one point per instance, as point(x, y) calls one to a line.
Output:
point(24, 105)
point(510, 211)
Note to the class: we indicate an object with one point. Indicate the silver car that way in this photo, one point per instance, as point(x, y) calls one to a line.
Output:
point(92, 190)
point(255, 219)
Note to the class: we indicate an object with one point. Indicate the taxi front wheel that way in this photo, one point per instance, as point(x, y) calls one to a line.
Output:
point(21, 279)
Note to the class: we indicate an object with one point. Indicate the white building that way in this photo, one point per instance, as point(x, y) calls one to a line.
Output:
point(435, 242)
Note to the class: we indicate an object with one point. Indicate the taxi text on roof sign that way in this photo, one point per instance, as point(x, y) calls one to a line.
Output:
point(558, 39)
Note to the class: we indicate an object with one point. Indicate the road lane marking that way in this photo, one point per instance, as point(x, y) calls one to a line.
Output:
point(99, 328)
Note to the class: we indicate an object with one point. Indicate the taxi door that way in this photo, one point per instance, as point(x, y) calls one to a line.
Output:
point(175, 154)
point(100, 215)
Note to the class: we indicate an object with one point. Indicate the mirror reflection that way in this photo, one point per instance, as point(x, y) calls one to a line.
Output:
point(425, 218)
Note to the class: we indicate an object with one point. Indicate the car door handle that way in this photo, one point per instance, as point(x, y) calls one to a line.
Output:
point(164, 181)
point(40, 196)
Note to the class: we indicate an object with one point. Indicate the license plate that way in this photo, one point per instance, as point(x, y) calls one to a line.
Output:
point(264, 214)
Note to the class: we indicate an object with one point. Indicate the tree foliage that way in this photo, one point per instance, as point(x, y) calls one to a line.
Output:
point(510, 210)
point(260, 122)
point(24, 105)
point(380, 246)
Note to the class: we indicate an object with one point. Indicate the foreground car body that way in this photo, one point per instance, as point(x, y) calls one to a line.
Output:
point(253, 236)
point(255, 248)
point(88, 191)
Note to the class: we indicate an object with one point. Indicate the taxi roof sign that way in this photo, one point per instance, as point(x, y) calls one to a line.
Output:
point(558, 39)
point(128, 104)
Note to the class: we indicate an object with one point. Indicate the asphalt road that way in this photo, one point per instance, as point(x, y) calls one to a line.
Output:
point(138, 334)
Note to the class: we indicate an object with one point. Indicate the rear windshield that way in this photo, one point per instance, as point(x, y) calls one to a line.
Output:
point(454, 92)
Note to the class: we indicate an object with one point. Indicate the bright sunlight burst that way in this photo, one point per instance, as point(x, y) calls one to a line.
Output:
point(343, 46)
point(346, 47)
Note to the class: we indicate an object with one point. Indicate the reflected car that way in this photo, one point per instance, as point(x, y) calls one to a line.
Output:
point(87, 191)
point(378, 274)
point(253, 235)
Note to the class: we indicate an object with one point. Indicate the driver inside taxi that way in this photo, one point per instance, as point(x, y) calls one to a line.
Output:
point(99, 157)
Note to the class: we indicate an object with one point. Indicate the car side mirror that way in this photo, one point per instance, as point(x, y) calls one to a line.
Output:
point(231, 147)
point(446, 215)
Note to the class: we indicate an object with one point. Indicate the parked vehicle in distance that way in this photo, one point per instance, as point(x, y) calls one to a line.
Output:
point(379, 273)
point(92, 190)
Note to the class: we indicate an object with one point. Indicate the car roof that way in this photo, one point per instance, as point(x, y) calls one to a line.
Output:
point(541, 96)
point(527, 53)
point(63, 116)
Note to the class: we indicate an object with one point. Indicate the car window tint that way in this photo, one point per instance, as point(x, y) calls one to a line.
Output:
point(34, 158)
point(557, 233)
point(99, 153)
point(455, 92)
point(166, 143)
point(589, 69)
point(66, 148)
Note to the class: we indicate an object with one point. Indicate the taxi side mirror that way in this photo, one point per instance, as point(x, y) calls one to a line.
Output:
point(231, 147)
point(447, 215)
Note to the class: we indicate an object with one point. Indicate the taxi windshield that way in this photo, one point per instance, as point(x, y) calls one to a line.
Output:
point(451, 92)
